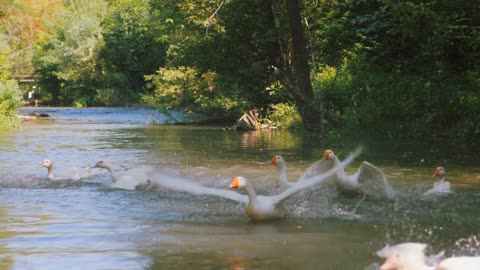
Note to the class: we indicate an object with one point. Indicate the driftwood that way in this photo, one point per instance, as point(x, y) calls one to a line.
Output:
point(248, 121)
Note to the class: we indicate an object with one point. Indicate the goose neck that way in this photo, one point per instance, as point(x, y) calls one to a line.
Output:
point(250, 192)
point(283, 175)
point(50, 172)
point(336, 162)
point(109, 168)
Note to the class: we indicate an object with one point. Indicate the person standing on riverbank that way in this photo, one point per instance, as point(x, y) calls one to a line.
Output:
point(30, 95)
point(35, 95)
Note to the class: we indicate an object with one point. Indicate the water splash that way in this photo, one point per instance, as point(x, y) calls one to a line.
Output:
point(469, 246)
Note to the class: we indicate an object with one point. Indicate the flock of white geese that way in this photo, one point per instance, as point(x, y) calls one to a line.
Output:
point(368, 179)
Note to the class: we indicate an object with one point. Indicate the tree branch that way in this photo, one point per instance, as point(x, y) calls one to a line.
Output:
point(207, 22)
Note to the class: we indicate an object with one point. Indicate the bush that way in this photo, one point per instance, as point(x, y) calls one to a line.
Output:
point(398, 105)
point(10, 101)
point(107, 97)
point(187, 89)
point(286, 115)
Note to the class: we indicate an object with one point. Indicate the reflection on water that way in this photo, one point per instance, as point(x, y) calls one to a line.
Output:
point(85, 225)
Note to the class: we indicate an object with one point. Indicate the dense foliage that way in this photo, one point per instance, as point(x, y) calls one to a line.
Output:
point(390, 68)
point(10, 96)
point(132, 48)
point(408, 69)
point(10, 101)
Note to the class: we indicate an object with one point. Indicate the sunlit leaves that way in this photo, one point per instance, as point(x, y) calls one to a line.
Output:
point(10, 101)
point(67, 58)
point(185, 88)
point(132, 47)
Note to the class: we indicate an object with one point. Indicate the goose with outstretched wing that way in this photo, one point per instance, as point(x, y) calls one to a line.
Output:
point(316, 168)
point(367, 178)
point(257, 207)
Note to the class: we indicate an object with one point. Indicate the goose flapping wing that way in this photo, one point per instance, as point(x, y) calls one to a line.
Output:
point(179, 183)
point(319, 167)
point(373, 181)
point(460, 263)
point(79, 176)
point(315, 180)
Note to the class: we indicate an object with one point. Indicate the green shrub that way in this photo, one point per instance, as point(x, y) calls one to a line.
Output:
point(400, 105)
point(285, 115)
point(10, 101)
point(81, 102)
point(187, 89)
point(107, 97)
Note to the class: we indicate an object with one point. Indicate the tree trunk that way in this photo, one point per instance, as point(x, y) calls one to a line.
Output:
point(310, 110)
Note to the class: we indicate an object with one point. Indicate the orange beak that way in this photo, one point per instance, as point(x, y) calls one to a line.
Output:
point(389, 264)
point(234, 183)
point(437, 172)
point(326, 154)
point(41, 165)
point(274, 160)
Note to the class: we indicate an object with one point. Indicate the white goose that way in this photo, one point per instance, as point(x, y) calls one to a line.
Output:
point(134, 179)
point(367, 178)
point(106, 165)
point(257, 207)
point(440, 187)
point(411, 256)
point(75, 176)
point(279, 161)
point(316, 168)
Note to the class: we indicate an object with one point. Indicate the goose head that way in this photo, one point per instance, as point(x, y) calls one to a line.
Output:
point(46, 163)
point(405, 256)
point(102, 164)
point(278, 160)
point(328, 155)
point(238, 182)
point(439, 172)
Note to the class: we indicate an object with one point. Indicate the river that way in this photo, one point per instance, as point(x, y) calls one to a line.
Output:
point(85, 224)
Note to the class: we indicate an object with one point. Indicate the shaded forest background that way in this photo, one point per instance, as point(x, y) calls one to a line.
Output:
point(395, 69)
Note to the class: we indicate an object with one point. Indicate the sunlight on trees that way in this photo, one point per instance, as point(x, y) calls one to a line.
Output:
point(411, 68)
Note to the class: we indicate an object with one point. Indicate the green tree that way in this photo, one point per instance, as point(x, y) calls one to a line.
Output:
point(417, 37)
point(310, 108)
point(133, 48)
point(10, 102)
point(227, 42)
point(407, 67)
point(67, 58)
point(10, 97)
point(245, 44)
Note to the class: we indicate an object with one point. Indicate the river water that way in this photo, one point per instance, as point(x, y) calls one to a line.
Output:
point(84, 224)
